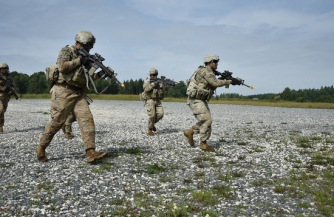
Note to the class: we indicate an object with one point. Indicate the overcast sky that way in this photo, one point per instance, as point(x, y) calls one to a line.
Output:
point(270, 44)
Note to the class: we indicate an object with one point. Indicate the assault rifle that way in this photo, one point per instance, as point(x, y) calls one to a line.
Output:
point(8, 84)
point(166, 81)
point(227, 75)
point(97, 60)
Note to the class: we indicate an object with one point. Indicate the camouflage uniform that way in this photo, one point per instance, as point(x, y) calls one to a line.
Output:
point(152, 95)
point(67, 127)
point(201, 87)
point(199, 105)
point(68, 96)
point(4, 94)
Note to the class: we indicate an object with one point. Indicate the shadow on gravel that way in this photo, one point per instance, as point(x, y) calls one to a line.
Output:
point(167, 131)
point(78, 156)
point(217, 144)
point(40, 128)
point(101, 132)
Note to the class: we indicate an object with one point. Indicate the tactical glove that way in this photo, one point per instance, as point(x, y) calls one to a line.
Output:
point(85, 60)
point(154, 84)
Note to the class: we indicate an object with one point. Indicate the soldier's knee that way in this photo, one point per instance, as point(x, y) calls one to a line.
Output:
point(160, 116)
point(204, 130)
point(208, 122)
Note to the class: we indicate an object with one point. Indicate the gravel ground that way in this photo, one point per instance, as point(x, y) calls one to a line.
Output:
point(159, 175)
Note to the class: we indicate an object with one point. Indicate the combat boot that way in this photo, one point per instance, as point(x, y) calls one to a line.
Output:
point(150, 132)
point(189, 135)
point(1, 129)
point(40, 150)
point(69, 136)
point(206, 147)
point(92, 155)
point(154, 129)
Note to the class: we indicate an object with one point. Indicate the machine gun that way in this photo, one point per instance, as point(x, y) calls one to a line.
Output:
point(97, 60)
point(8, 83)
point(166, 81)
point(227, 75)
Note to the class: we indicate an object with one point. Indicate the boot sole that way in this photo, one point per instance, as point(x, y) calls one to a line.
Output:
point(43, 159)
point(208, 150)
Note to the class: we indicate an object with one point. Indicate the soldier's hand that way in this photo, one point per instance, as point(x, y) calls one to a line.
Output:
point(155, 84)
point(85, 60)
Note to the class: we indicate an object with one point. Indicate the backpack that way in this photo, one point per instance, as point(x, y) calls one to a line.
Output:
point(52, 73)
point(191, 84)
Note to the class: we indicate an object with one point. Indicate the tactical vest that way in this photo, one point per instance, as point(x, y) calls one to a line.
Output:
point(194, 90)
point(155, 94)
point(76, 77)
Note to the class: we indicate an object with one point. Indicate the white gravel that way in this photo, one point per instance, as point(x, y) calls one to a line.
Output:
point(252, 143)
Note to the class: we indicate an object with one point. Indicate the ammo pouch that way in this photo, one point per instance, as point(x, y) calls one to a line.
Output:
point(142, 96)
point(203, 94)
point(79, 77)
point(161, 94)
point(193, 91)
point(52, 73)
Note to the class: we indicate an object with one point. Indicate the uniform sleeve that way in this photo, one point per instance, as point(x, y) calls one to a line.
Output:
point(213, 81)
point(147, 86)
point(65, 61)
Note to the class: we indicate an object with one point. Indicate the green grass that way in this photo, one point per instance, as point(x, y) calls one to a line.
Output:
point(223, 191)
point(135, 151)
point(261, 182)
point(155, 169)
point(330, 141)
point(314, 183)
point(44, 186)
point(204, 157)
point(207, 198)
point(286, 104)
point(242, 143)
point(102, 168)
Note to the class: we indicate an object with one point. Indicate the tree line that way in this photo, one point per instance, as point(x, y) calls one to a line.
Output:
point(37, 84)
point(324, 94)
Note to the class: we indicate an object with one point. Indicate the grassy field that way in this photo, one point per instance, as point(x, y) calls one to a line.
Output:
point(287, 104)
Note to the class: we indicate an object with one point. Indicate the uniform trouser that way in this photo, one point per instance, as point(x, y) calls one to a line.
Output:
point(68, 123)
point(4, 99)
point(201, 111)
point(63, 102)
point(155, 112)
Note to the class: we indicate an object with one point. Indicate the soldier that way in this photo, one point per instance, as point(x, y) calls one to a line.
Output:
point(68, 95)
point(4, 93)
point(154, 91)
point(200, 89)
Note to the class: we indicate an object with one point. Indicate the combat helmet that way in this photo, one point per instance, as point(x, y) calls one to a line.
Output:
point(4, 66)
point(210, 58)
point(85, 37)
point(153, 71)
